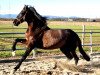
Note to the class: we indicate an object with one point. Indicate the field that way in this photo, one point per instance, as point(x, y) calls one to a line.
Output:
point(48, 62)
point(6, 40)
point(51, 65)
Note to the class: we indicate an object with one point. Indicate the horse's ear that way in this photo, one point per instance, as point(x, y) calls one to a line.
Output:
point(26, 7)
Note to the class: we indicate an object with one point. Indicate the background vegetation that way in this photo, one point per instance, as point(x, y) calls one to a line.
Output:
point(6, 40)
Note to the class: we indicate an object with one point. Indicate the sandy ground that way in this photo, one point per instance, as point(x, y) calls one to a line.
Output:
point(58, 65)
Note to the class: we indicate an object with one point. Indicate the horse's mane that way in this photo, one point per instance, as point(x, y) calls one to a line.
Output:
point(39, 17)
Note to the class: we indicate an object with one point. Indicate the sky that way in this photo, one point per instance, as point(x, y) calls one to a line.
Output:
point(67, 8)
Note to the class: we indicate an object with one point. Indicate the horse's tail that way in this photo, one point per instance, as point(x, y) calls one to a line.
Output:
point(85, 56)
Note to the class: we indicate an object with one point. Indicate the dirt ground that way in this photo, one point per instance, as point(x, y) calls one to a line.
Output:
point(56, 65)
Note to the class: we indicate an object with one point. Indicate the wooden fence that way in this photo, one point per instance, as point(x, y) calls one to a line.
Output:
point(83, 38)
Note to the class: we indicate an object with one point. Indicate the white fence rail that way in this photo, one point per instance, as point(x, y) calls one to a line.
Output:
point(83, 37)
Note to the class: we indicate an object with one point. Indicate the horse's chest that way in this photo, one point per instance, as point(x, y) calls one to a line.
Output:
point(29, 36)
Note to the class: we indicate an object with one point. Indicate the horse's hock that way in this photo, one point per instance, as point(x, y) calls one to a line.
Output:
point(53, 66)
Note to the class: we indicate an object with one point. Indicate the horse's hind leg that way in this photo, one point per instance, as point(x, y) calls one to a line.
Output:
point(75, 57)
point(66, 51)
point(70, 53)
point(73, 48)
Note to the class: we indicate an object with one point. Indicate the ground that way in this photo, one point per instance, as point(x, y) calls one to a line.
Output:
point(52, 65)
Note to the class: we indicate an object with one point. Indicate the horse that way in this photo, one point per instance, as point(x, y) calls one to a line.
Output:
point(39, 35)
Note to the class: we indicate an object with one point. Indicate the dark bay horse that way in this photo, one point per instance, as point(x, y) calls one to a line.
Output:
point(39, 35)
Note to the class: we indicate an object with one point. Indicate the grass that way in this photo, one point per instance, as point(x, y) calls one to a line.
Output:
point(6, 40)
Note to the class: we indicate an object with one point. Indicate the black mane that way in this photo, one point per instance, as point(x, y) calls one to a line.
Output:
point(40, 18)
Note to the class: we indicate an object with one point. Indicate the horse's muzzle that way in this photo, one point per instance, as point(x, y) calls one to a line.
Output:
point(16, 22)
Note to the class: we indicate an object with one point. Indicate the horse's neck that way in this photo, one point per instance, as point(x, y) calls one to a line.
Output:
point(33, 27)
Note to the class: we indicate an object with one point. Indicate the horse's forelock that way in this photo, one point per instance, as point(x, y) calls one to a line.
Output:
point(26, 6)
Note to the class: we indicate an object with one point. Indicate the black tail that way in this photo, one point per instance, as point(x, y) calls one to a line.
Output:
point(85, 56)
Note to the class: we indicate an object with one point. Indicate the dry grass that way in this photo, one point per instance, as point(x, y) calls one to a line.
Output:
point(74, 23)
point(61, 23)
point(52, 66)
point(6, 22)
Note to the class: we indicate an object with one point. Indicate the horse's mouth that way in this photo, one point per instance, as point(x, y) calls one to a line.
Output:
point(16, 22)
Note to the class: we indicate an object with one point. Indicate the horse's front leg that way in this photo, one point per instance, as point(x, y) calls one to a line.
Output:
point(14, 44)
point(27, 52)
point(30, 46)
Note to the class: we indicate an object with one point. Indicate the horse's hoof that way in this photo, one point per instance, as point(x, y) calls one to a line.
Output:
point(76, 62)
point(15, 69)
point(13, 72)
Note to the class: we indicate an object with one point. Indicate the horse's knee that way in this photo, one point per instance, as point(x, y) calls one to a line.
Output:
point(13, 47)
point(14, 44)
point(15, 40)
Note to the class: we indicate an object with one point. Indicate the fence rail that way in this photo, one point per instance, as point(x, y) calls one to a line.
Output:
point(24, 33)
point(11, 33)
point(91, 44)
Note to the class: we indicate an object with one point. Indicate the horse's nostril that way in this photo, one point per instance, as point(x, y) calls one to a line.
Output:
point(14, 22)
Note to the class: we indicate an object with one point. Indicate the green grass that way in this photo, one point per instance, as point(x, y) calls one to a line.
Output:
point(5, 54)
point(6, 43)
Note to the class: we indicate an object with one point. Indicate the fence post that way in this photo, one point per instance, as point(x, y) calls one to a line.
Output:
point(83, 35)
point(91, 41)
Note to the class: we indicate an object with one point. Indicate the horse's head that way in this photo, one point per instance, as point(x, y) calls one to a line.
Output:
point(21, 16)
point(28, 14)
